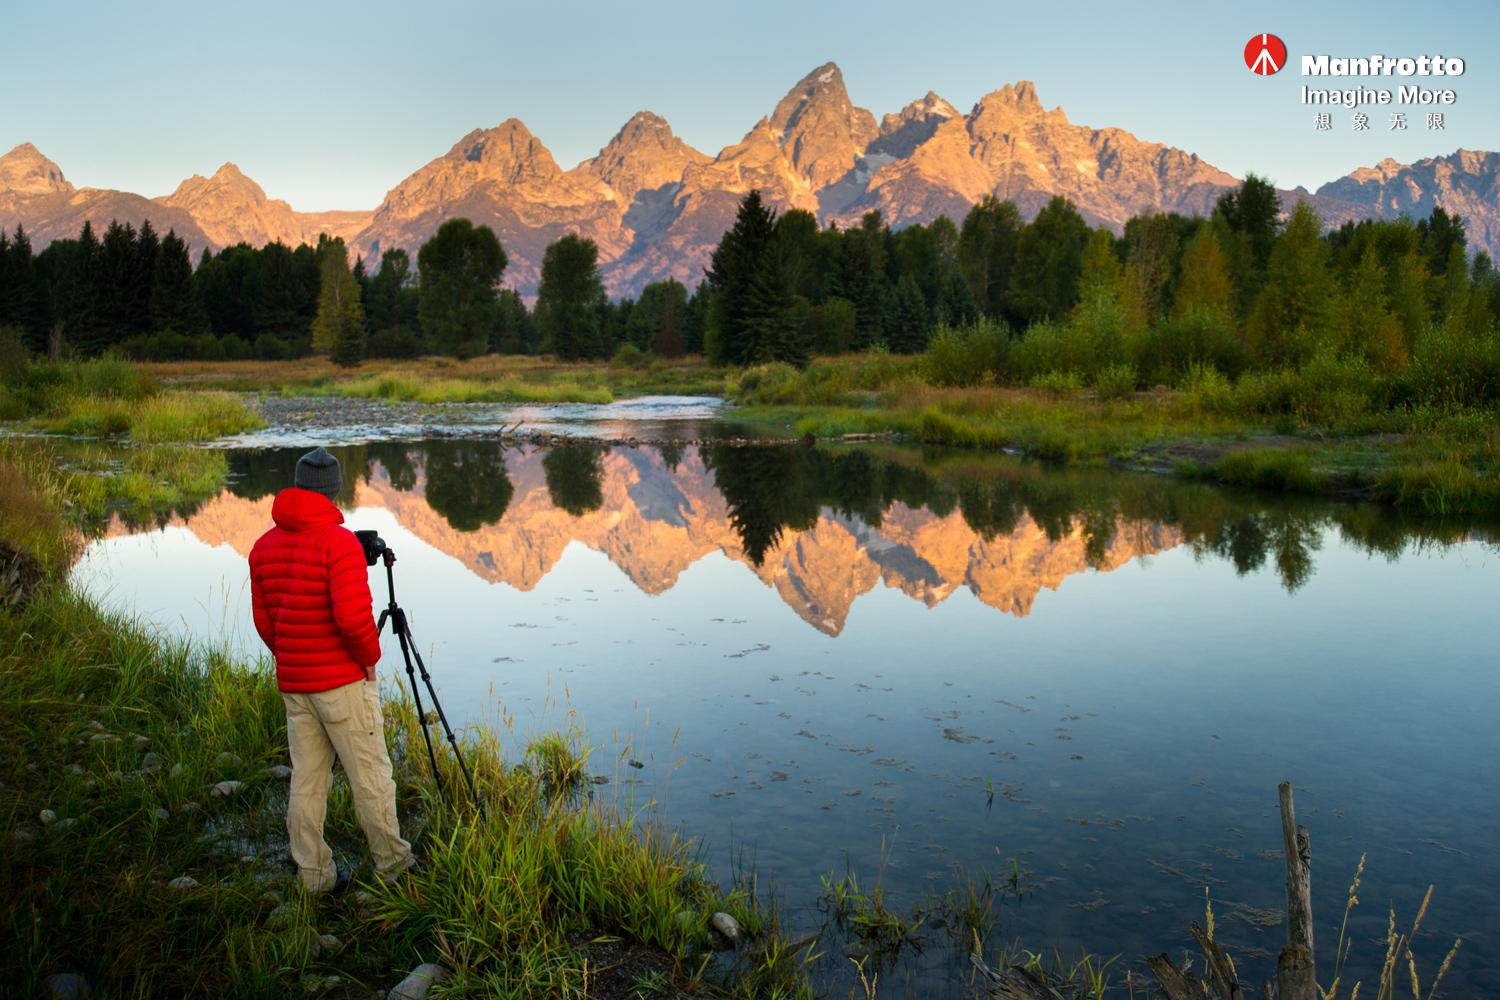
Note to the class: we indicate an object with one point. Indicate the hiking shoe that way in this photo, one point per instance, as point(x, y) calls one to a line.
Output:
point(340, 883)
point(418, 866)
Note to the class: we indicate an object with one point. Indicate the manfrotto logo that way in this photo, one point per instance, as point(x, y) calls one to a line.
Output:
point(1265, 54)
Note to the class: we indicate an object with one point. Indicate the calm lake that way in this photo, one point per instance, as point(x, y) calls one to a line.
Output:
point(928, 667)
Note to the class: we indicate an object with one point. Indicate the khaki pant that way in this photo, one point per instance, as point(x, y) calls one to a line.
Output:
point(345, 721)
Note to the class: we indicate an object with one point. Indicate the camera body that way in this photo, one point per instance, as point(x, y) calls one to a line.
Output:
point(373, 545)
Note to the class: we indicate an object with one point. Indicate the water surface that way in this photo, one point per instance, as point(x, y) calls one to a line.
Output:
point(936, 666)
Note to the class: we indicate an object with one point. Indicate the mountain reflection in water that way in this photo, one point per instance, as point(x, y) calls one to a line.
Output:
point(821, 527)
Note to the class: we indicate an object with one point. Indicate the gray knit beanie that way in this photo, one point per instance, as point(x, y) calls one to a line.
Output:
point(319, 471)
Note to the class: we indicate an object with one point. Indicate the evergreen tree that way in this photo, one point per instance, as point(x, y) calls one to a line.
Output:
point(987, 250)
point(956, 305)
point(856, 277)
point(117, 281)
point(695, 320)
point(340, 325)
point(390, 296)
point(69, 277)
point(18, 289)
point(1250, 216)
point(276, 291)
point(174, 302)
point(147, 247)
point(568, 299)
point(515, 327)
point(802, 252)
point(1049, 257)
point(772, 325)
point(460, 269)
point(1294, 313)
point(1254, 208)
point(908, 322)
point(656, 321)
point(731, 277)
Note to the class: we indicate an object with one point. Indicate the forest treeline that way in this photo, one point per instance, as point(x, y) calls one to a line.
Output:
point(1247, 287)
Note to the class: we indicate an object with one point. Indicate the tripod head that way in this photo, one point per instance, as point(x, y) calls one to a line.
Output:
point(375, 547)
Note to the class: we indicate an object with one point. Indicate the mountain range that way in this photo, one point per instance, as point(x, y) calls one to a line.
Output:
point(657, 207)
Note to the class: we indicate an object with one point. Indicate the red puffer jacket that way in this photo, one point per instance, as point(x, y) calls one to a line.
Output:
point(311, 596)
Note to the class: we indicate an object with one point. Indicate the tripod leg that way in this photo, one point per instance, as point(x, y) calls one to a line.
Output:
point(403, 638)
point(452, 740)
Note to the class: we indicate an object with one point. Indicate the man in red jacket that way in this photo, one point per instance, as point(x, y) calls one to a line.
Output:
point(312, 604)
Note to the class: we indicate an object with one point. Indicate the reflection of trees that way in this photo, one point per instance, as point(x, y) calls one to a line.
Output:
point(467, 482)
point(395, 458)
point(260, 472)
point(575, 478)
point(671, 454)
point(768, 490)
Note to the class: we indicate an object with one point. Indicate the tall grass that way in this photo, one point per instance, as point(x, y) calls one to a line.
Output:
point(411, 389)
point(165, 418)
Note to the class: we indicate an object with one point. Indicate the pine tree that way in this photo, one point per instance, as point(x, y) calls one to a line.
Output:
point(771, 331)
point(117, 283)
point(174, 302)
point(18, 290)
point(147, 247)
point(908, 321)
point(568, 297)
point(276, 291)
point(340, 325)
point(956, 305)
point(731, 277)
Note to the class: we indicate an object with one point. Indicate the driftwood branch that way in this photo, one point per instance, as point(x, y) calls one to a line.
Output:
point(1176, 984)
point(1015, 985)
point(1220, 976)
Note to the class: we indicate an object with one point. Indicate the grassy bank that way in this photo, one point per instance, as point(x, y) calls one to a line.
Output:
point(488, 378)
point(108, 398)
point(1420, 441)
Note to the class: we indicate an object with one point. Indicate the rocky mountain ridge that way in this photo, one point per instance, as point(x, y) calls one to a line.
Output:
point(657, 207)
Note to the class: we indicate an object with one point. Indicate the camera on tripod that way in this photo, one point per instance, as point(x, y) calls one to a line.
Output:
point(373, 544)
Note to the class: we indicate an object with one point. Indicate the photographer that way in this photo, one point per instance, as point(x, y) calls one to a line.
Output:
point(312, 608)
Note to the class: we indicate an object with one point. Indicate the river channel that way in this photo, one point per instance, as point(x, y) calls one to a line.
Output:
point(929, 667)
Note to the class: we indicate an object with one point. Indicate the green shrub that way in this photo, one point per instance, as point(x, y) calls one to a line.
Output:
point(1207, 389)
point(272, 348)
point(1165, 351)
point(1059, 383)
point(629, 356)
point(1115, 382)
point(1326, 390)
point(963, 356)
point(1272, 468)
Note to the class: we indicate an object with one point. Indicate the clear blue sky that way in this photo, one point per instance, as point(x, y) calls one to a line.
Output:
point(328, 105)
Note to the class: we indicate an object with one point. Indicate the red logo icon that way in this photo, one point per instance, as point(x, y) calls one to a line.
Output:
point(1265, 54)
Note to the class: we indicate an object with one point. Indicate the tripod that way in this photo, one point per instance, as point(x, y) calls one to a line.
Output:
point(402, 631)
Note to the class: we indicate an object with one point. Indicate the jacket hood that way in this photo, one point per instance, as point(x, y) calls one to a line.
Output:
point(297, 510)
